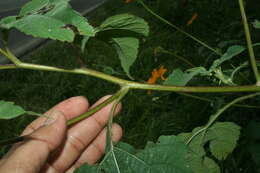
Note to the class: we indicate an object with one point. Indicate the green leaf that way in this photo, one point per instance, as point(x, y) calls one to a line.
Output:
point(222, 138)
point(8, 110)
point(180, 78)
point(231, 52)
point(44, 27)
point(196, 145)
point(125, 22)
point(72, 19)
point(226, 135)
point(203, 164)
point(35, 6)
point(256, 24)
point(167, 156)
point(127, 50)
point(6, 23)
point(49, 19)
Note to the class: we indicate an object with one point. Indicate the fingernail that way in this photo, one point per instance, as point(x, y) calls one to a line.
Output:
point(54, 115)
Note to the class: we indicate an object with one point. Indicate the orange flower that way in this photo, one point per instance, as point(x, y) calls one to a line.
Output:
point(128, 1)
point(157, 74)
point(194, 17)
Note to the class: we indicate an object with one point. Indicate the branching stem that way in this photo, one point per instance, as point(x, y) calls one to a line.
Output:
point(131, 84)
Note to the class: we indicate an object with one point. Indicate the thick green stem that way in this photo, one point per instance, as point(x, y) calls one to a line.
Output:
point(178, 29)
point(137, 85)
point(143, 86)
point(97, 108)
point(215, 116)
point(8, 66)
point(121, 94)
point(249, 42)
point(74, 120)
point(192, 89)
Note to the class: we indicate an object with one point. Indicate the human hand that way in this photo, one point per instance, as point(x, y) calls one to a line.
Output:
point(54, 148)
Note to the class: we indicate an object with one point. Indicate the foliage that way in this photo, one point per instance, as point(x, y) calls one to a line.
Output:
point(8, 110)
point(198, 151)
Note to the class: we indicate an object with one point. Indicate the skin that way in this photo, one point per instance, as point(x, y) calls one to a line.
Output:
point(54, 148)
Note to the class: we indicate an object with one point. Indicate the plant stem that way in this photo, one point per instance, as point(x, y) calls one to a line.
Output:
point(121, 94)
point(143, 86)
point(177, 28)
point(74, 120)
point(7, 66)
point(215, 116)
point(249, 43)
point(209, 101)
point(192, 89)
point(137, 85)
point(97, 108)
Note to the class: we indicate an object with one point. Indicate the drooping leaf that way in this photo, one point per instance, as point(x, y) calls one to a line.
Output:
point(127, 50)
point(49, 19)
point(231, 52)
point(226, 136)
point(8, 110)
point(125, 22)
point(222, 138)
point(180, 78)
point(256, 24)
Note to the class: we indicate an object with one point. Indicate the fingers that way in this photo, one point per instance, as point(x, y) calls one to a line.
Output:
point(32, 154)
point(97, 148)
point(80, 136)
point(71, 107)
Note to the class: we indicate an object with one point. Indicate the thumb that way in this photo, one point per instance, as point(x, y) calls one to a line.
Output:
point(32, 154)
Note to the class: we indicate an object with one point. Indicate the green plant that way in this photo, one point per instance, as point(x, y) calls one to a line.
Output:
point(169, 154)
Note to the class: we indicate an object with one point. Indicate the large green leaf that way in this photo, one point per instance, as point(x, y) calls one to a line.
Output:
point(226, 136)
point(180, 78)
point(52, 19)
point(231, 52)
point(222, 138)
point(168, 155)
point(8, 110)
point(125, 22)
point(127, 50)
point(44, 27)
